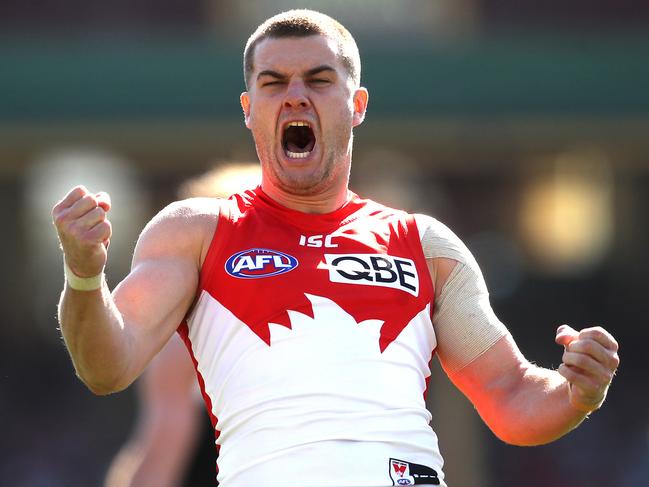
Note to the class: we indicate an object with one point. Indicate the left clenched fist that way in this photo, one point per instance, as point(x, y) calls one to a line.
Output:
point(589, 363)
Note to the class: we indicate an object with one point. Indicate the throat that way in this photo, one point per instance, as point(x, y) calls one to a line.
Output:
point(298, 142)
point(311, 202)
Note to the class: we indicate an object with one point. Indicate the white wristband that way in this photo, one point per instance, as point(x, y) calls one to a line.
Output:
point(82, 283)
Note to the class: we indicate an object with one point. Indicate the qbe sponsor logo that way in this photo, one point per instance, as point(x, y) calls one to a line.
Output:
point(258, 263)
point(374, 270)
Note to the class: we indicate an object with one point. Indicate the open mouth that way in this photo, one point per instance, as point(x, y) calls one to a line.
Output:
point(298, 140)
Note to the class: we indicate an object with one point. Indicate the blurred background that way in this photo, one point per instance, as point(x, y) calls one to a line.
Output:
point(524, 126)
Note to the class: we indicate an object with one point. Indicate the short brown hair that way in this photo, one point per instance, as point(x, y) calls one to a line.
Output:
point(304, 23)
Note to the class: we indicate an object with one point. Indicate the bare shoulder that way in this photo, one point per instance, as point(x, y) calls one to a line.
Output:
point(184, 226)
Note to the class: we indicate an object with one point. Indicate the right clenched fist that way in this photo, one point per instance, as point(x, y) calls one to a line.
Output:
point(84, 230)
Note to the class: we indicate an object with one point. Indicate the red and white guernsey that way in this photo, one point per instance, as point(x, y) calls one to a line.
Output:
point(312, 339)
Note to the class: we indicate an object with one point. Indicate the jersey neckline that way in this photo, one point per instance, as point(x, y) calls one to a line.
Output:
point(311, 221)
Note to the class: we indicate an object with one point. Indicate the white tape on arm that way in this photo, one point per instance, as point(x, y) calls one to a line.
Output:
point(82, 283)
point(464, 323)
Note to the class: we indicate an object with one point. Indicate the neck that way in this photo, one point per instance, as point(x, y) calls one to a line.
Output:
point(325, 202)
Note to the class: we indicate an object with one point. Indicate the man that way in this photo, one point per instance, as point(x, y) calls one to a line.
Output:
point(164, 439)
point(307, 309)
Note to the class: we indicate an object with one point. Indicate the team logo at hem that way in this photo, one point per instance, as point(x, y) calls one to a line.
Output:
point(257, 263)
point(406, 473)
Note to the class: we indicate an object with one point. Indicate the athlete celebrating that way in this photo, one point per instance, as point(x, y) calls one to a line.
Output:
point(312, 314)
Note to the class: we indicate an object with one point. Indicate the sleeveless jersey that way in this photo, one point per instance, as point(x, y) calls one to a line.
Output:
point(312, 339)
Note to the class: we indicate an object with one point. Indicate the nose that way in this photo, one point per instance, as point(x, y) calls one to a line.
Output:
point(296, 95)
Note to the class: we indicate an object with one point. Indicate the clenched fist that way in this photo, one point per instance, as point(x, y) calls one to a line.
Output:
point(84, 230)
point(589, 363)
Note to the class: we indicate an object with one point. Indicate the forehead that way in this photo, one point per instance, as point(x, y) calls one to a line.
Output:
point(296, 54)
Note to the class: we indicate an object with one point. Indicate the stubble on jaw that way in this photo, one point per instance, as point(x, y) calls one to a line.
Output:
point(319, 181)
point(313, 182)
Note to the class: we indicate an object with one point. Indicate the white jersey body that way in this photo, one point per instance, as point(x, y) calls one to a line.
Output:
point(312, 338)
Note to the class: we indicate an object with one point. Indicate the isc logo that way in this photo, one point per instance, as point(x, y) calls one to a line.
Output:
point(257, 263)
point(317, 241)
point(374, 270)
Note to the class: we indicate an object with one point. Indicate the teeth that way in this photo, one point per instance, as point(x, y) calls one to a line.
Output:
point(298, 123)
point(297, 155)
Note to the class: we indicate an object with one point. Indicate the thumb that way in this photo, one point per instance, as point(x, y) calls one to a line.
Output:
point(565, 335)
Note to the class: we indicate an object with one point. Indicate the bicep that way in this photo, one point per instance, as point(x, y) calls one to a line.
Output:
point(464, 322)
point(153, 300)
point(473, 345)
point(159, 290)
point(475, 349)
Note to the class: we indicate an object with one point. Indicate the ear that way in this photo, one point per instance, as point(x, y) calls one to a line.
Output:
point(361, 98)
point(245, 105)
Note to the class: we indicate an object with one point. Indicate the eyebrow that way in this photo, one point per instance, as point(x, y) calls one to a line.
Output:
point(310, 72)
point(271, 73)
point(319, 69)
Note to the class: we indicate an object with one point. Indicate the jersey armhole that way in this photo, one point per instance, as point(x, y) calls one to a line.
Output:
point(224, 215)
point(413, 226)
point(208, 263)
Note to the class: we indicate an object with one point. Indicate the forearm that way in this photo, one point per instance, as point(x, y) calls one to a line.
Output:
point(534, 411)
point(95, 336)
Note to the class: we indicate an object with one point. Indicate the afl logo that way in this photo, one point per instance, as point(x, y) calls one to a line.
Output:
point(258, 263)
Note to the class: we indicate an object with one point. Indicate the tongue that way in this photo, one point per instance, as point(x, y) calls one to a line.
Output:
point(293, 147)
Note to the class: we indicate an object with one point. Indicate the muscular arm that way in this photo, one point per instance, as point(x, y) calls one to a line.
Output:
point(111, 338)
point(522, 403)
point(525, 404)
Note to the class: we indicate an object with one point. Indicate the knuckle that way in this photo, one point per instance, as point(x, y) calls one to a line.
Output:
point(58, 217)
point(596, 333)
point(580, 361)
point(576, 346)
point(589, 346)
point(567, 358)
point(88, 199)
point(75, 193)
point(102, 230)
point(98, 212)
point(574, 359)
